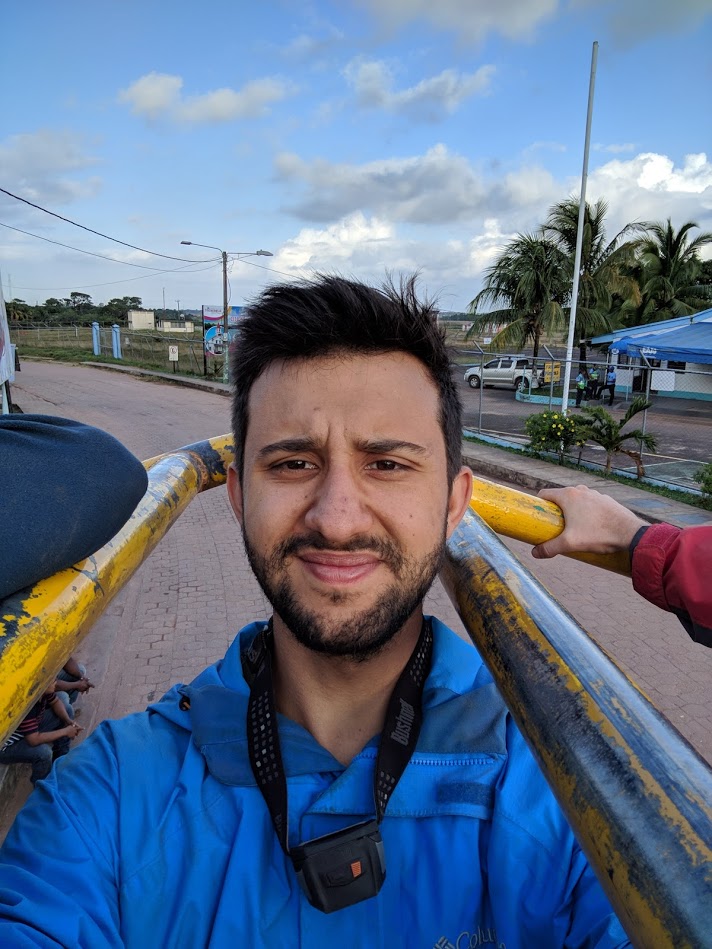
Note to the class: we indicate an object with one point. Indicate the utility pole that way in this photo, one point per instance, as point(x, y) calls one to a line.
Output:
point(178, 302)
point(226, 355)
point(164, 301)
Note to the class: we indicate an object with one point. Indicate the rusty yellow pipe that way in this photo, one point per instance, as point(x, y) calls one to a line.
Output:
point(515, 514)
point(39, 629)
point(637, 795)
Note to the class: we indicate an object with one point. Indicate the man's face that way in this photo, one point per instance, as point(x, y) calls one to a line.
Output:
point(344, 504)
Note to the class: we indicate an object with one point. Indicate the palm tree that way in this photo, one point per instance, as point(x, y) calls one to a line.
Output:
point(601, 428)
point(526, 287)
point(670, 266)
point(603, 277)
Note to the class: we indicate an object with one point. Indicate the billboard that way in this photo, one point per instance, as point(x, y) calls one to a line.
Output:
point(213, 326)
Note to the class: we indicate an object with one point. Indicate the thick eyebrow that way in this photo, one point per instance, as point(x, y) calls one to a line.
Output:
point(383, 446)
point(387, 446)
point(304, 443)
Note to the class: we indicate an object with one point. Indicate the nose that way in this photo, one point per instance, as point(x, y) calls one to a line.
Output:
point(338, 510)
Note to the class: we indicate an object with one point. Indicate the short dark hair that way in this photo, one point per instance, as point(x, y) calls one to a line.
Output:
point(330, 314)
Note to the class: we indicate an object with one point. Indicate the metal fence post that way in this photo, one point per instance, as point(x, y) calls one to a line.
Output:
point(116, 341)
point(95, 339)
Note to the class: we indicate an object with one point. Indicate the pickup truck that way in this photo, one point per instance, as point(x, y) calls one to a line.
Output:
point(504, 371)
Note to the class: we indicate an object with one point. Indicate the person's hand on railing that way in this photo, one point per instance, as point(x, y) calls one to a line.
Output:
point(594, 522)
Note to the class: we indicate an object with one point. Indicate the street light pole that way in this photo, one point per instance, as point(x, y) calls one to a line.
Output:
point(224, 256)
point(226, 368)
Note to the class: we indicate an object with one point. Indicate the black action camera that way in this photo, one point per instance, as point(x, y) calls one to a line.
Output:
point(343, 868)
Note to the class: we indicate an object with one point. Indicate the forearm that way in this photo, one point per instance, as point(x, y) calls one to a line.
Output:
point(47, 738)
point(60, 710)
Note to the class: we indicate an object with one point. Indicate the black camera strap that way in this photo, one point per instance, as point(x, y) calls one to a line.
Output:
point(320, 863)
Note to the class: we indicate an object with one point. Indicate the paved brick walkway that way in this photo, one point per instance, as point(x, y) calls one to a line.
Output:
point(181, 609)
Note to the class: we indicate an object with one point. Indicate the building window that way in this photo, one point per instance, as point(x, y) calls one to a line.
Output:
point(677, 365)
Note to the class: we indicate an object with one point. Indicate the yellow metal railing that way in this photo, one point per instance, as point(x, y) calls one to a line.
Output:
point(638, 797)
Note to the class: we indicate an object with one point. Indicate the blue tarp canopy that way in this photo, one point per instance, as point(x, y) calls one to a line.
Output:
point(692, 343)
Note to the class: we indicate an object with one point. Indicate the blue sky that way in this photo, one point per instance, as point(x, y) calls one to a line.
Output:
point(357, 136)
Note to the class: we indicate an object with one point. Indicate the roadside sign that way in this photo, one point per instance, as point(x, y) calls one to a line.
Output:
point(552, 368)
point(173, 354)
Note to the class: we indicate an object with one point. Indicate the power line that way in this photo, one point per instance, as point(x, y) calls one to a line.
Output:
point(91, 253)
point(92, 231)
point(90, 286)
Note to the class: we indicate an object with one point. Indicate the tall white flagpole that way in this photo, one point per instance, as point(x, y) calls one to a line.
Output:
point(579, 236)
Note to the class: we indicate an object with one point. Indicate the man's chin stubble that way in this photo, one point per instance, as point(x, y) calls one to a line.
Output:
point(362, 635)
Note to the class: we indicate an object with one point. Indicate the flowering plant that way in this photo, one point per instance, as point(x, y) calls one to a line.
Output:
point(553, 431)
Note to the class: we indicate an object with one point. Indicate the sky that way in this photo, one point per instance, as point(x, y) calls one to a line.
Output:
point(360, 137)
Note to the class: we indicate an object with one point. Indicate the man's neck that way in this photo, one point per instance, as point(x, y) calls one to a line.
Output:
point(341, 702)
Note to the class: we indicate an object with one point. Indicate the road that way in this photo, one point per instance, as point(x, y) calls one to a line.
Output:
point(181, 609)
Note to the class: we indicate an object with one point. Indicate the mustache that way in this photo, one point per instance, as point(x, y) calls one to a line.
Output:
point(313, 540)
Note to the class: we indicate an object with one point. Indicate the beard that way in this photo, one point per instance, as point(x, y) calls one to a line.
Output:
point(364, 633)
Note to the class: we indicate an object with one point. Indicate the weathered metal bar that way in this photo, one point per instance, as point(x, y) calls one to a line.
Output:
point(41, 627)
point(533, 520)
point(637, 795)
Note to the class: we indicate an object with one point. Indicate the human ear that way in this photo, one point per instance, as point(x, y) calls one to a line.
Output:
point(460, 495)
point(234, 491)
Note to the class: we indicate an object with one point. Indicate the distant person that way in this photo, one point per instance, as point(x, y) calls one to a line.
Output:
point(66, 489)
point(347, 775)
point(671, 566)
point(581, 384)
point(610, 385)
point(72, 680)
point(592, 385)
point(42, 736)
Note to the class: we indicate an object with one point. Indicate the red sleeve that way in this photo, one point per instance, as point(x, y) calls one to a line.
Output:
point(672, 567)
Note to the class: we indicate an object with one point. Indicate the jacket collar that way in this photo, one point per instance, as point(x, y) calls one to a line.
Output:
point(464, 716)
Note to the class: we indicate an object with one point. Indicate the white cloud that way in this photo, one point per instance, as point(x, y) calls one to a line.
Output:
point(373, 81)
point(471, 20)
point(435, 188)
point(159, 95)
point(354, 239)
point(635, 21)
point(651, 187)
point(549, 146)
point(45, 167)
point(374, 213)
point(615, 149)
point(307, 46)
point(153, 95)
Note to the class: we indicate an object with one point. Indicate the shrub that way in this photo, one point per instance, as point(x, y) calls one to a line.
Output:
point(704, 478)
point(553, 431)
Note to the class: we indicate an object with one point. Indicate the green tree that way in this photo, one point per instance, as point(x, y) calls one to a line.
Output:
point(601, 428)
point(81, 302)
point(670, 269)
point(525, 285)
point(117, 309)
point(603, 275)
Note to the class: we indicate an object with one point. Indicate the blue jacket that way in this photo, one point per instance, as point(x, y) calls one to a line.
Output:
point(153, 834)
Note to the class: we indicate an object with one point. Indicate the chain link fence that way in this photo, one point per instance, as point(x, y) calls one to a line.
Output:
point(147, 348)
point(500, 391)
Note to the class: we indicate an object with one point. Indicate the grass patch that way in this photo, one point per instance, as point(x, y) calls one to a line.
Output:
point(673, 494)
point(82, 355)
